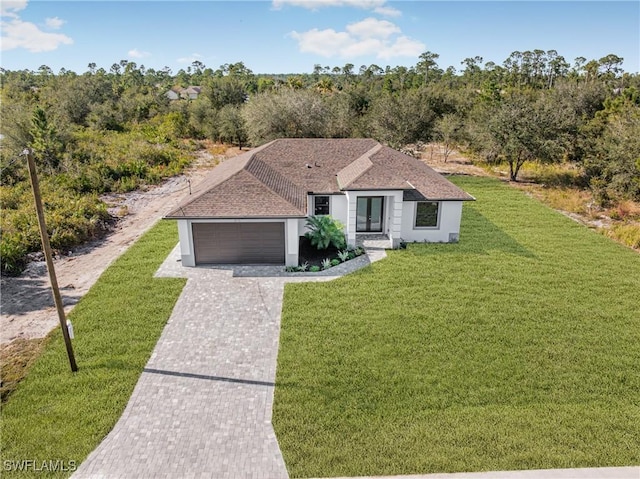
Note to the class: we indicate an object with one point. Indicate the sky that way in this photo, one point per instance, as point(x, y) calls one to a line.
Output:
point(291, 36)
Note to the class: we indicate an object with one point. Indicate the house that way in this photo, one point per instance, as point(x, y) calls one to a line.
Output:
point(253, 208)
point(189, 93)
point(174, 93)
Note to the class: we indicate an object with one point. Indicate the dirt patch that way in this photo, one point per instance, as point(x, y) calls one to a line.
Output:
point(433, 154)
point(27, 303)
point(15, 360)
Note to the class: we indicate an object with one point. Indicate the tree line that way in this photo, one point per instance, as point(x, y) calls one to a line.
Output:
point(101, 131)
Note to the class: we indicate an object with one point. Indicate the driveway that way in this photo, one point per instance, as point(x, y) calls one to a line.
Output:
point(202, 406)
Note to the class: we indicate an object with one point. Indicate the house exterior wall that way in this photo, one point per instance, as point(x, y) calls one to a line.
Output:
point(447, 231)
point(338, 209)
point(186, 243)
point(398, 217)
point(291, 233)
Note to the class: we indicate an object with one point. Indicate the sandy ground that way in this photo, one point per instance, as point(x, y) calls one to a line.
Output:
point(433, 155)
point(27, 303)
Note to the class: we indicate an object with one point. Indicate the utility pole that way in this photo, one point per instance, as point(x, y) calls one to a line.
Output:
point(46, 247)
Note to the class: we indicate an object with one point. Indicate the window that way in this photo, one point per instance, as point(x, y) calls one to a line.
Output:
point(427, 214)
point(320, 205)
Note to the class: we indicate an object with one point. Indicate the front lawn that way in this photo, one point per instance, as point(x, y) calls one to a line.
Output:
point(55, 415)
point(517, 348)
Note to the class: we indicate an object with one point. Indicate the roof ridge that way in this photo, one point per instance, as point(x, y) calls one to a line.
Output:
point(356, 168)
point(276, 182)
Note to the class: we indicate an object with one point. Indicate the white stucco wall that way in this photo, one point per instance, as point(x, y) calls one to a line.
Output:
point(292, 237)
point(338, 208)
point(186, 243)
point(448, 228)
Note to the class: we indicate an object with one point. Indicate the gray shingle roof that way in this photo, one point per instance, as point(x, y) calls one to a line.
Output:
point(274, 179)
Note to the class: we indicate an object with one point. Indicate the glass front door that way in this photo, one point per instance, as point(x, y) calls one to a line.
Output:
point(369, 214)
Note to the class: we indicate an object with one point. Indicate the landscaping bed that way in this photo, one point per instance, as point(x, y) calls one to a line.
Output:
point(313, 259)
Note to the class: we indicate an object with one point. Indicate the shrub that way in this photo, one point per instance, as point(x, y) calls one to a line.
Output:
point(13, 253)
point(325, 231)
point(314, 269)
point(326, 263)
point(335, 262)
point(343, 255)
point(628, 234)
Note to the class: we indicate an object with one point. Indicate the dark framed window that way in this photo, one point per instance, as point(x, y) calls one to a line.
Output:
point(320, 205)
point(427, 214)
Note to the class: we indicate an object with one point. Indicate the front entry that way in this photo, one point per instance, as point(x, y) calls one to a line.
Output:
point(369, 214)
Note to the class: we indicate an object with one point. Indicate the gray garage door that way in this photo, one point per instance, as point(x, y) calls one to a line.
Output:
point(239, 243)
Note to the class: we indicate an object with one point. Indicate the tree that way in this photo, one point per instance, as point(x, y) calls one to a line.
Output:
point(46, 145)
point(472, 67)
point(402, 118)
point(232, 125)
point(611, 64)
point(297, 114)
point(523, 128)
point(447, 130)
point(612, 161)
point(427, 64)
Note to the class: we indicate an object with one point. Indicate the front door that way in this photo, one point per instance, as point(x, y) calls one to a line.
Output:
point(369, 214)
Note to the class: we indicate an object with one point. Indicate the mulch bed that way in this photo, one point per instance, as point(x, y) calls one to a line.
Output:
point(314, 256)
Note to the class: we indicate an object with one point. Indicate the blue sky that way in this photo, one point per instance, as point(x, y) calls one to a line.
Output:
point(286, 36)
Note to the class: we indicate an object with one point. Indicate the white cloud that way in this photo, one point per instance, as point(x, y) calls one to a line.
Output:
point(19, 34)
point(27, 35)
point(8, 8)
point(372, 28)
point(322, 42)
point(367, 37)
point(388, 11)
point(135, 53)
point(402, 47)
point(54, 23)
point(316, 4)
point(378, 6)
point(190, 59)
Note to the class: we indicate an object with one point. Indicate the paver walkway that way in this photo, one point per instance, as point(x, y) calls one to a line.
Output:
point(202, 406)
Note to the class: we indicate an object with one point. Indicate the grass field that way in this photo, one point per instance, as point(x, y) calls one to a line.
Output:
point(517, 348)
point(57, 415)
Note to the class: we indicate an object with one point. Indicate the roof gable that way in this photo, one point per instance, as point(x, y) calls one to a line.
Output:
point(355, 169)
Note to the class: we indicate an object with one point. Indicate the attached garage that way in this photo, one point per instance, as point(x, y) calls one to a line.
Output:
point(239, 243)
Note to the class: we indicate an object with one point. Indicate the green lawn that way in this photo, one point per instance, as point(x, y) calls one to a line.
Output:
point(517, 348)
point(57, 415)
